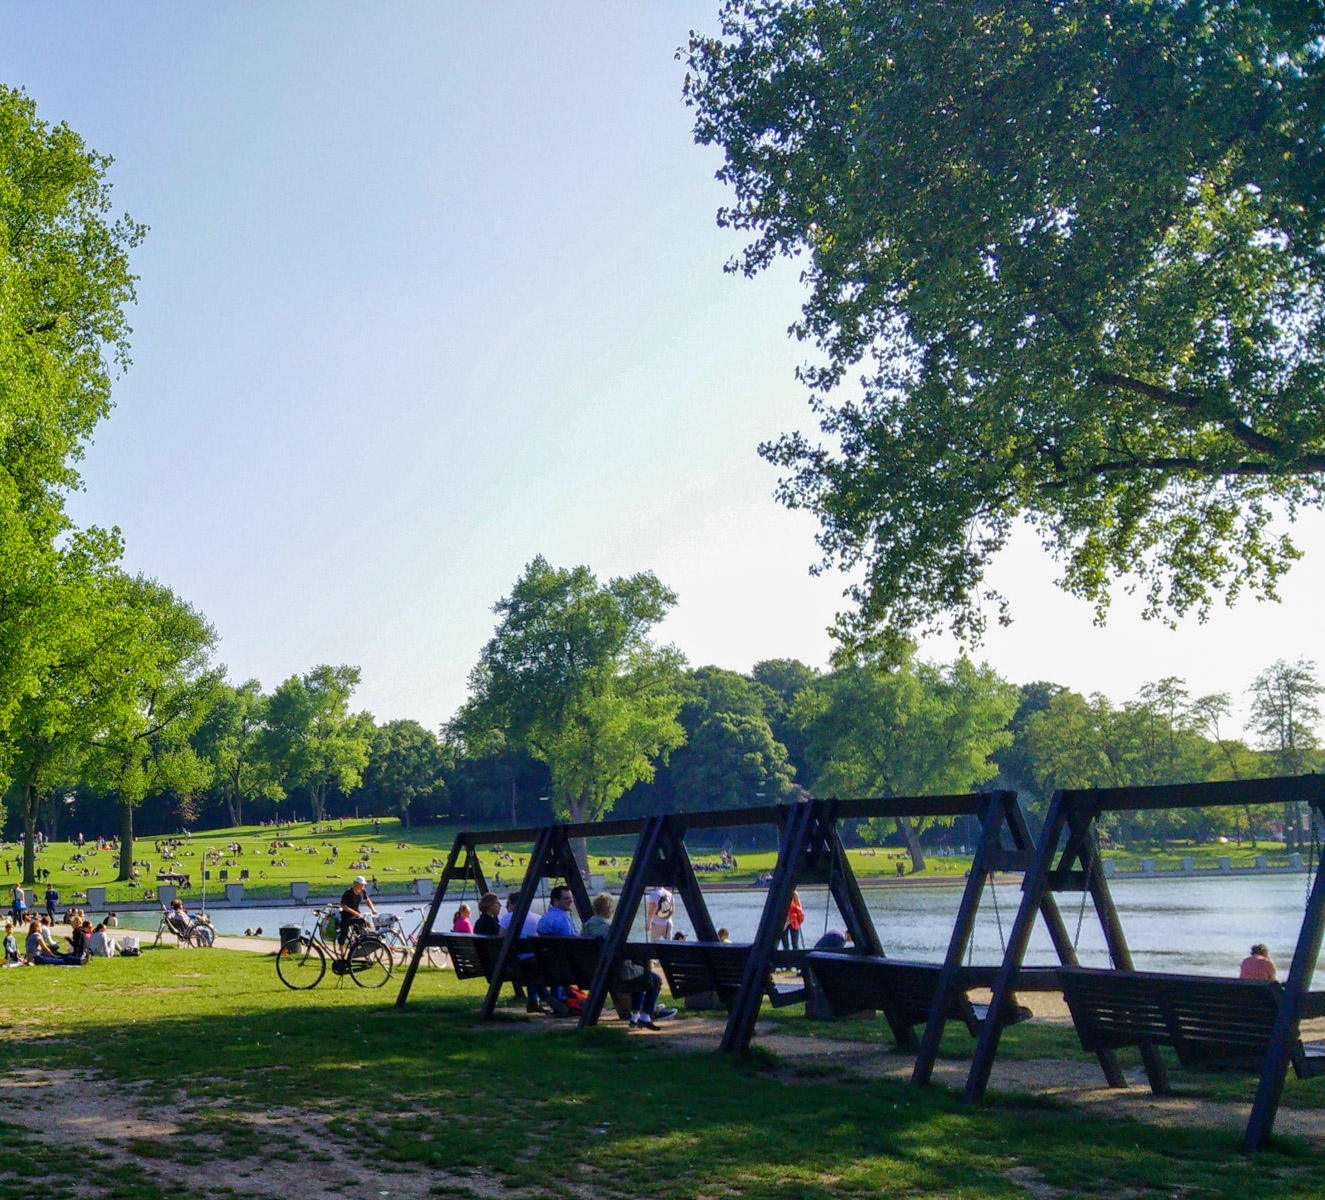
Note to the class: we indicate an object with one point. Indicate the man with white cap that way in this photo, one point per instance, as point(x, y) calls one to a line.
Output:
point(355, 894)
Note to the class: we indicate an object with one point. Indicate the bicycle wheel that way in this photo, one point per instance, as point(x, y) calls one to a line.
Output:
point(202, 937)
point(370, 963)
point(301, 966)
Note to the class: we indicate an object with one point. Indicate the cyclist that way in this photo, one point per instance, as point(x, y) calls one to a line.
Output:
point(355, 894)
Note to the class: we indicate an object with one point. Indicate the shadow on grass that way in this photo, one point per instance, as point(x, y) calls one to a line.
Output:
point(215, 1039)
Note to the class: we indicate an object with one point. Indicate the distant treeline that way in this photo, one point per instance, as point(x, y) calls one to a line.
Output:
point(781, 732)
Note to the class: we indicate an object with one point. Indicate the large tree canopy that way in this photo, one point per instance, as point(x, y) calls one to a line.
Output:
point(1077, 253)
point(572, 675)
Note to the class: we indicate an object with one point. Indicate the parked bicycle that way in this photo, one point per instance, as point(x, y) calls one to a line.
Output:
point(391, 930)
point(363, 956)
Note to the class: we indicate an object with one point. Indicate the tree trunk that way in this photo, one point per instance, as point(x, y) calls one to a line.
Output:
point(579, 846)
point(233, 807)
point(318, 794)
point(1251, 825)
point(404, 816)
point(30, 803)
point(126, 841)
point(912, 840)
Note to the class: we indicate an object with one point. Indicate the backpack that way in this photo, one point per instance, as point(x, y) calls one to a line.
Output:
point(575, 1000)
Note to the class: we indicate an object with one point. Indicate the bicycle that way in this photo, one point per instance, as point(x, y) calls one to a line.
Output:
point(364, 957)
point(391, 931)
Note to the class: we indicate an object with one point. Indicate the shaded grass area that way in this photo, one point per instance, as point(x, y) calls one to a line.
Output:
point(539, 1111)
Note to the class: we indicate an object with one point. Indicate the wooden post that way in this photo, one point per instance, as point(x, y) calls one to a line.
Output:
point(1274, 1070)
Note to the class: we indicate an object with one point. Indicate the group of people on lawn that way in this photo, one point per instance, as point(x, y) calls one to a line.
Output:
point(41, 948)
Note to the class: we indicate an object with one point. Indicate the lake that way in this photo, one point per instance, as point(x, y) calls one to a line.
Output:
point(1201, 926)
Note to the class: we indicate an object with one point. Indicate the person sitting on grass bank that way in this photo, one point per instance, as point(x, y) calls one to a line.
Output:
point(642, 985)
point(1257, 965)
point(355, 895)
point(11, 944)
point(42, 953)
point(489, 920)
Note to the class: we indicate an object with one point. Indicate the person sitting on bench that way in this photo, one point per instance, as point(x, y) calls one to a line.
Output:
point(1258, 965)
point(488, 923)
point(642, 984)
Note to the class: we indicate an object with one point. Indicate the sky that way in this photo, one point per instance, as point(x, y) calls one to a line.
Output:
point(432, 289)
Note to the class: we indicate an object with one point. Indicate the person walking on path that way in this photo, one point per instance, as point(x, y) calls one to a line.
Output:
point(19, 905)
point(52, 899)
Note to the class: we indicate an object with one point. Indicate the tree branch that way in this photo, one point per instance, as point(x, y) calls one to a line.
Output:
point(1238, 428)
point(1166, 465)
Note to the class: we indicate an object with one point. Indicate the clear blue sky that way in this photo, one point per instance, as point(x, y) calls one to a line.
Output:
point(432, 289)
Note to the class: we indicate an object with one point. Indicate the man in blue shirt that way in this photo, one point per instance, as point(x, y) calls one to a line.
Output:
point(556, 922)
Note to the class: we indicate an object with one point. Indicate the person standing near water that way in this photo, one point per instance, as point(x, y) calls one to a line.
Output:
point(1258, 965)
point(660, 912)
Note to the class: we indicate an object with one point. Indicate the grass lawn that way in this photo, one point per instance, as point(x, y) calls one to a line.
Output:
point(327, 856)
point(272, 1093)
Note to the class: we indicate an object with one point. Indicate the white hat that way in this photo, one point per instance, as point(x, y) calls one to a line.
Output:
point(361, 879)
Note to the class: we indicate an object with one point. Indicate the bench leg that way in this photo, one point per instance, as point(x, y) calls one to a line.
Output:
point(1156, 1070)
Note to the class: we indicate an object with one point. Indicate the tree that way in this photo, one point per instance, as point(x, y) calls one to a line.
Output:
point(571, 675)
point(1236, 761)
point(162, 690)
point(230, 738)
point(55, 717)
point(730, 758)
point(312, 738)
point(1285, 713)
point(1074, 249)
point(916, 729)
point(405, 764)
point(64, 287)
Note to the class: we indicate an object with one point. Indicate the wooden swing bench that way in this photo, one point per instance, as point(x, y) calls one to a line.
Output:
point(474, 955)
point(697, 968)
point(905, 991)
point(1206, 1021)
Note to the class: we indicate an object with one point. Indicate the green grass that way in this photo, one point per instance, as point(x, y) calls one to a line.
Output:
point(542, 1111)
point(396, 857)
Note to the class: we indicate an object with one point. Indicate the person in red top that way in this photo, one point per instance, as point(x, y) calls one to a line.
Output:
point(791, 932)
point(1257, 964)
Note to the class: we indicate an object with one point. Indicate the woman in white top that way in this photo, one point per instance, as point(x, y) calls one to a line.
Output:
point(661, 908)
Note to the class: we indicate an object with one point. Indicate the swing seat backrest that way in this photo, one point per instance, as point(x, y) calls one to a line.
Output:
point(903, 991)
point(1207, 1021)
